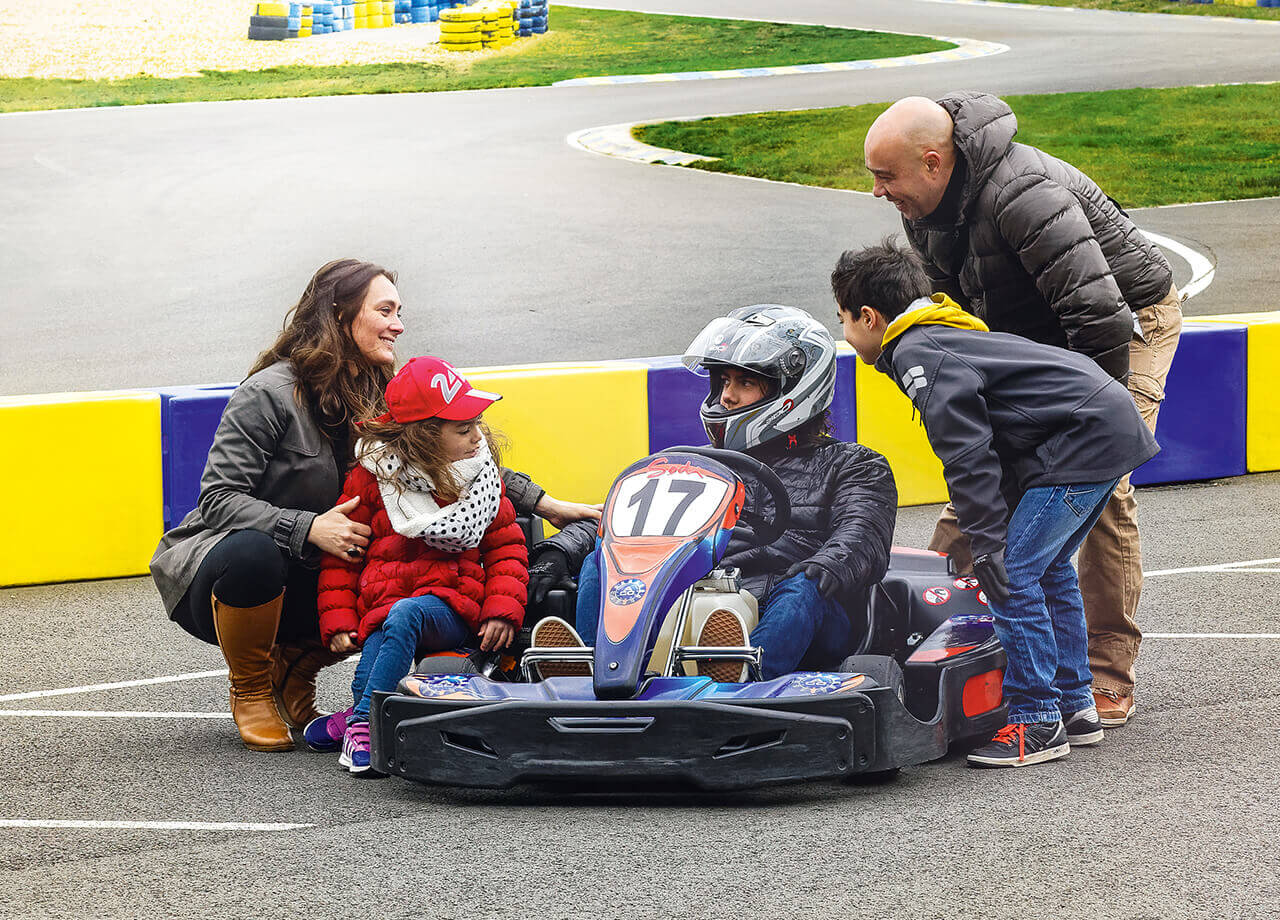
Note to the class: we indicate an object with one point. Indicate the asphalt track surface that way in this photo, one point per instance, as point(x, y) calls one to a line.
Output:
point(161, 245)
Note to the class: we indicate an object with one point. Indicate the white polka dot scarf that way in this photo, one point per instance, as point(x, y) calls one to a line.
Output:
point(413, 510)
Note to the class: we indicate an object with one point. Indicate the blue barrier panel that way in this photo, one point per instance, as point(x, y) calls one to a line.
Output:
point(675, 395)
point(189, 417)
point(1202, 426)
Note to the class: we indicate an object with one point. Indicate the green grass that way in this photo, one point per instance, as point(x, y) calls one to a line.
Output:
point(1143, 146)
point(581, 43)
point(1163, 6)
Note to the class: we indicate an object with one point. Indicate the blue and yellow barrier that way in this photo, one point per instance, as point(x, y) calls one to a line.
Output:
point(91, 480)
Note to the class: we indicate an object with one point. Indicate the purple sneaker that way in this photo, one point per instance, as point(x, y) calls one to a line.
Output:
point(355, 748)
point(324, 733)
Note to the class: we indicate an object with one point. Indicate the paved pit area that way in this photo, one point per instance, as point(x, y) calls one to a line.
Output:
point(1172, 816)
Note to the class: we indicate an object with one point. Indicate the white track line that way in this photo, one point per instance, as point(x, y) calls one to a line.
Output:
point(108, 714)
point(1202, 270)
point(153, 825)
point(1250, 565)
point(116, 685)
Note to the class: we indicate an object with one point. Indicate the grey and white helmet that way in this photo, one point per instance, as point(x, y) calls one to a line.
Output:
point(784, 344)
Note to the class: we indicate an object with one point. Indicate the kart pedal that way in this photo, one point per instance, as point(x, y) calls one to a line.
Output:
point(723, 628)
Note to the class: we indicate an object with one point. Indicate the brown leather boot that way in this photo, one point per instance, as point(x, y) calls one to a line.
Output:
point(293, 679)
point(246, 635)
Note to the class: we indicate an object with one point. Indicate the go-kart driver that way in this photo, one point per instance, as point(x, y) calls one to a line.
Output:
point(772, 376)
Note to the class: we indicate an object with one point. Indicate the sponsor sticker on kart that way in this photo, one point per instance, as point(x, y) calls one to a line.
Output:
point(966, 583)
point(936, 595)
point(627, 591)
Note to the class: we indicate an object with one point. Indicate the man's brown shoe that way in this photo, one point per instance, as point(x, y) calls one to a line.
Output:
point(1114, 708)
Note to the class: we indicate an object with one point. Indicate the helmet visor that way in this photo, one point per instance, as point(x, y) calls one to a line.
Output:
point(757, 344)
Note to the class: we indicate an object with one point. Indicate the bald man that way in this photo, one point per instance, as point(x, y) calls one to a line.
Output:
point(1031, 245)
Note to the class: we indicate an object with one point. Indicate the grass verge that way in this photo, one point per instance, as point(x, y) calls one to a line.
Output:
point(582, 43)
point(1164, 6)
point(1143, 146)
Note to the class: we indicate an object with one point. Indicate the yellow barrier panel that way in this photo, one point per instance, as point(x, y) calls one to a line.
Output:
point(1262, 406)
point(887, 422)
point(572, 427)
point(82, 488)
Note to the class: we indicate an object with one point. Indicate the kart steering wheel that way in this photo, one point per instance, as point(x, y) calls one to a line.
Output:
point(764, 530)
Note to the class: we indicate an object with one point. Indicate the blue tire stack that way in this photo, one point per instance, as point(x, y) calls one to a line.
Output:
point(403, 11)
point(419, 11)
point(533, 17)
point(322, 17)
point(344, 15)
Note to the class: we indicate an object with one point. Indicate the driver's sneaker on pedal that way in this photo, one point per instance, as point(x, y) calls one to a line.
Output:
point(1022, 744)
point(1114, 708)
point(1083, 727)
point(553, 632)
point(723, 628)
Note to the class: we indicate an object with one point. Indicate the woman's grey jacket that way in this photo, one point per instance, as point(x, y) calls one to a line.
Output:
point(271, 468)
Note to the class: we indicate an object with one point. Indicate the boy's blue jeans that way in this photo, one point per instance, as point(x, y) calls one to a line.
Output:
point(795, 619)
point(414, 623)
point(1042, 625)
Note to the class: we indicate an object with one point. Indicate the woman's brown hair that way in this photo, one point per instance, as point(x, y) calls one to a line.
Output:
point(338, 381)
point(418, 445)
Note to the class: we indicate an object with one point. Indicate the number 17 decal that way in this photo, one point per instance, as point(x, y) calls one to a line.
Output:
point(644, 498)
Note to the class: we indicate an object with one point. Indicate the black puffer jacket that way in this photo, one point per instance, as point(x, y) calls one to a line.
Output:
point(843, 506)
point(1037, 249)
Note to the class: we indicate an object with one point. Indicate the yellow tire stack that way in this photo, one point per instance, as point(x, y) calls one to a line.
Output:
point(460, 29)
point(304, 30)
point(361, 17)
point(388, 13)
point(496, 31)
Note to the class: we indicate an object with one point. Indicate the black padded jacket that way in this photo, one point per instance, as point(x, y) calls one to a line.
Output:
point(843, 507)
point(1036, 248)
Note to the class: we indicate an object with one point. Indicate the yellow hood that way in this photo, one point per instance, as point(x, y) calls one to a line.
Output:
point(938, 310)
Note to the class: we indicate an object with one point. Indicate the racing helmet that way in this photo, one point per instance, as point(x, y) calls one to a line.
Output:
point(783, 344)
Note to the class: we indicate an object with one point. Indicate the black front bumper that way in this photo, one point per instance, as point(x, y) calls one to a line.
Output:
point(708, 745)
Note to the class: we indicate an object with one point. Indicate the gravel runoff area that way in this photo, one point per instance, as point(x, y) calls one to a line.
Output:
point(97, 39)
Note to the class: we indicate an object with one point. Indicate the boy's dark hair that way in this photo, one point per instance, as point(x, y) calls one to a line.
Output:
point(886, 277)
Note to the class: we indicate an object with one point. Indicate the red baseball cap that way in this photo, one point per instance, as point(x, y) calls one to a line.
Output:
point(428, 387)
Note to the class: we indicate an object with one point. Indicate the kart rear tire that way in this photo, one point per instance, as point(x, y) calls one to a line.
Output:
point(881, 668)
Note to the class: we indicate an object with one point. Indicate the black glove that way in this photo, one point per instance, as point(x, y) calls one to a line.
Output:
point(550, 569)
point(989, 570)
point(827, 583)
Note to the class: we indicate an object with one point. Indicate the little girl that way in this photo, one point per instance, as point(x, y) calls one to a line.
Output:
point(446, 564)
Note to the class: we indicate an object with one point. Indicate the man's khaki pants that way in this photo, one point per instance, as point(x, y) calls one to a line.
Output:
point(1110, 561)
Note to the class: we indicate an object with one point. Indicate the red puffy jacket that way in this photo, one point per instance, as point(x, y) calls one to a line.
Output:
point(478, 584)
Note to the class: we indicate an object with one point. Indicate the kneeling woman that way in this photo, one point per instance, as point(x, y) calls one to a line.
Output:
point(240, 571)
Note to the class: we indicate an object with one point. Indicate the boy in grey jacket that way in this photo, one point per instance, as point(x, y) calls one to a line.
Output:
point(1033, 439)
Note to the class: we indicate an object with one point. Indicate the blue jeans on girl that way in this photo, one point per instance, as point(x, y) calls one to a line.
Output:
point(797, 624)
point(1042, 625)
point(414, 624)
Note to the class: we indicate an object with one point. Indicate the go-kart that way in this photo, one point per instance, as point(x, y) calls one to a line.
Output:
point(927, 673)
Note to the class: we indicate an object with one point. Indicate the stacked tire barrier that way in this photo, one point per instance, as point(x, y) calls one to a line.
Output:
point(463, 27)
point(498, 26)
point(532, 17)
point(460, 29)
point(277, 21)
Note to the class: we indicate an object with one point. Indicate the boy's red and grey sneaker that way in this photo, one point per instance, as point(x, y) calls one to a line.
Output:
point(1022, 744)
point(1083, 727)
point(1114, 708)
